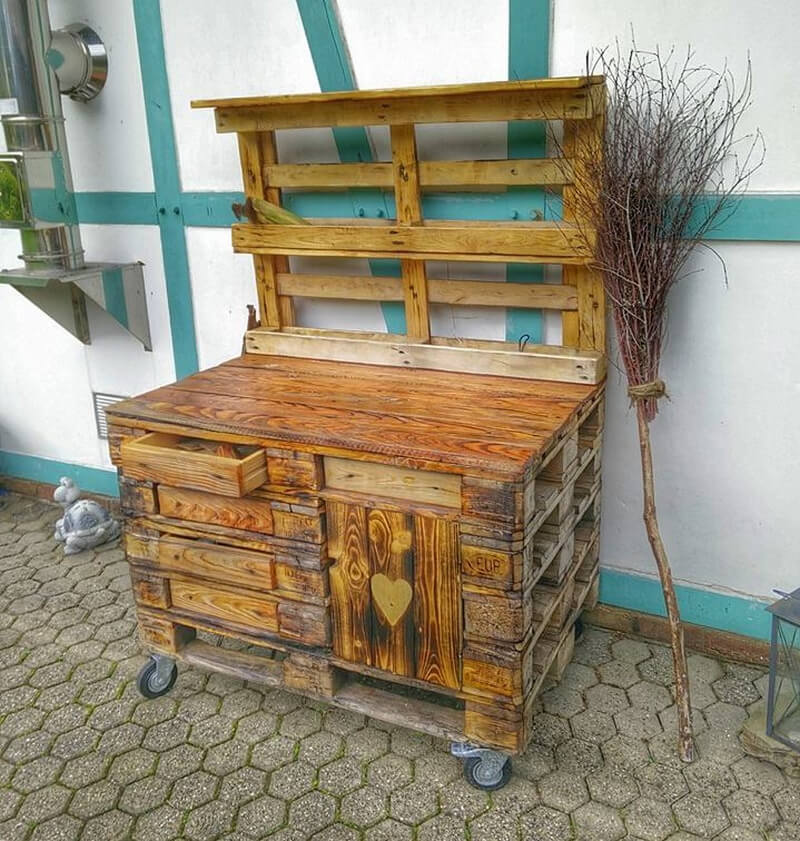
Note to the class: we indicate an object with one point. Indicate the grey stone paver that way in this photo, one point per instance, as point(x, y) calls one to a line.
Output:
point(84, 758)
point(596, 822)
point(612, 786)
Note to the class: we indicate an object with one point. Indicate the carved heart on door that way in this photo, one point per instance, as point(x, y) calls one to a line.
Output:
point(391, 598)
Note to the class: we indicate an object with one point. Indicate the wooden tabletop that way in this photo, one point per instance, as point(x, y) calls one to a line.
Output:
point(458, 422)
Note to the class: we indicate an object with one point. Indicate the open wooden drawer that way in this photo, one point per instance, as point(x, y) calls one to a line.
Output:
point(228, 469)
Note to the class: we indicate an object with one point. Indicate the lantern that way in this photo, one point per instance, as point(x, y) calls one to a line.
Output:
point(783, 701)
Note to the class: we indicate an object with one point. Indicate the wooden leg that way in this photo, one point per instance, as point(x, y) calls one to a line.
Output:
point(310, 674)
point(163, 636)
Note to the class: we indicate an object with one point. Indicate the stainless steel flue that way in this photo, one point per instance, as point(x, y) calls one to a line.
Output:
point(36, 192)
point(28, 81)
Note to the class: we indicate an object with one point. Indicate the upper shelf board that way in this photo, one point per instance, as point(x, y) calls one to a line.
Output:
point(568, 98)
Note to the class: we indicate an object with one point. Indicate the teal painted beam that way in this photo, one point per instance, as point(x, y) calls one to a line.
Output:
point(37, 469)
point(164, 157)
point(117, 208)
point(213, 210)
point(528, 58)
point(762, 217)
point(332, 65)
point(757, 218)
point(710, 608)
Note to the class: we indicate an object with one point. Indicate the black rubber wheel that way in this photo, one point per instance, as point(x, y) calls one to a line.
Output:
point(146, 682)
point(474, 776)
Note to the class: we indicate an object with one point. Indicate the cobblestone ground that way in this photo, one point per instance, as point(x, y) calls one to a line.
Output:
point(83, 756)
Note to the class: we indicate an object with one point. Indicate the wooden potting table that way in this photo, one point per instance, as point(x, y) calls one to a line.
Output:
point(402, 525)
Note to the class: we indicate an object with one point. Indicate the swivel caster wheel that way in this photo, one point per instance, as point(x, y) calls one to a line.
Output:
point(485, 769)
point(157, 677)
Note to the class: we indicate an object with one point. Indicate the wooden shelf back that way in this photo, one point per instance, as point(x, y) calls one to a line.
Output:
point(576, 101)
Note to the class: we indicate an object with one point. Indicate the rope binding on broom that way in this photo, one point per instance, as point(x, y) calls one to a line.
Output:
point(653, 390)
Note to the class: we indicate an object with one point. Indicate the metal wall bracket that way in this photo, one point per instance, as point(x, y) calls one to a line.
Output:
point(117, 288)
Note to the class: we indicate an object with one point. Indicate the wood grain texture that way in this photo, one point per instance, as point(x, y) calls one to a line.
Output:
point(492, 567)
point(491, 101)
point(303, 388)
point(391, 393)
point(437, 720)
point(161, 457)
point(137, 497)
point(485, 725)
point(429, 444)
point(421, 486)
point(148, 589)
point(227, 605)
point(163, 635)
point(439, 174)
point(256, 151)
point(586, 328)
point(408, 204)
point(533, 363)
point(293, 469)
point(497, 242)
point(437, 601)
point(306, 623)
point(238, 664)
point(303, 672)
point(391, 565)
point(311, 584)
point(224, 564)
point(454, 292)
point(246, 513)
point(423, 93)
point(351, 611)
point(308, 528)
point(503, 618)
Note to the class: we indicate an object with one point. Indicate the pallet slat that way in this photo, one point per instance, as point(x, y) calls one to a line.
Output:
point(561, 99)
point(432, 174)
point(535, 242)
point(454, 292)
point(547, 363)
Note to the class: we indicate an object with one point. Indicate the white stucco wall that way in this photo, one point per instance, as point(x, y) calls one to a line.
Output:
point(725, 446)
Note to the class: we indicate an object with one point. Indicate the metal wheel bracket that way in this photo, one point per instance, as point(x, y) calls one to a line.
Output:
point(492, 762)
point(163, 671)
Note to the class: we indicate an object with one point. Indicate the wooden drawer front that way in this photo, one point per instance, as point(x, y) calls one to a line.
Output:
point(248, 514)
point(218, 563)
point(424, 487)
point(216, 603)
point(396, 592)
point(225, 564)
point(189, 463)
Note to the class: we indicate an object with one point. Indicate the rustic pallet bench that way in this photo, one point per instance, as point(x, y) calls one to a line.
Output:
point(403, 525)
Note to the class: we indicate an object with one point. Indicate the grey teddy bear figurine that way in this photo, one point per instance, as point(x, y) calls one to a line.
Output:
point(85, 523)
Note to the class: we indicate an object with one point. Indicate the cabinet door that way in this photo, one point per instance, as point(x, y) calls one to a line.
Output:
point(396, 592)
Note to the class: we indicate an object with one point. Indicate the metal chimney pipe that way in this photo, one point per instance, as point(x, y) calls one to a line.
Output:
point(38, 126)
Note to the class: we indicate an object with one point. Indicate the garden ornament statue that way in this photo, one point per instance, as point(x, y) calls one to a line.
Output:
point(85, 523)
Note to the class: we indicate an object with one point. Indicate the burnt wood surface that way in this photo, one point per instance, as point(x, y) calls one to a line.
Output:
point(463, 422)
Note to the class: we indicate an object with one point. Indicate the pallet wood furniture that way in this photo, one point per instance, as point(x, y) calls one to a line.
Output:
point(403, 525)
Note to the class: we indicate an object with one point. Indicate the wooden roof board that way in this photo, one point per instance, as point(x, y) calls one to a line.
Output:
point(578, 98)
point(423, 91)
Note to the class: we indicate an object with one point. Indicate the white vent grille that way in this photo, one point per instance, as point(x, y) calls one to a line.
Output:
point(101, 403)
